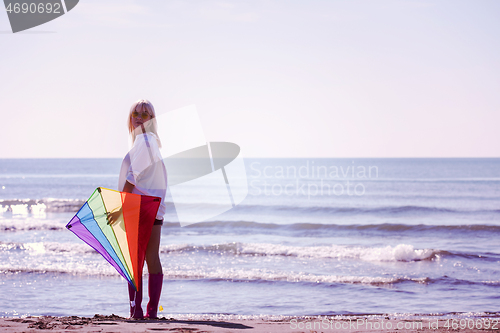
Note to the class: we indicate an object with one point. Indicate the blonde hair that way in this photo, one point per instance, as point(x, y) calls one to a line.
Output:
point(149, 126)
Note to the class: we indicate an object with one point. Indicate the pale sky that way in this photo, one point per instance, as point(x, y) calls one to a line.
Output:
point(279, 78)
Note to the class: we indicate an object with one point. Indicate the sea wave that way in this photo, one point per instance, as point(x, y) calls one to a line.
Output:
point(260, 275)
point(247, 276)
point(397, 253)
point(30, 225)
point(295, 229)
point(401, 252)
point(382, 210)
point(47, 247)
point(40, 206)
point(221, 274)
point(303, 228)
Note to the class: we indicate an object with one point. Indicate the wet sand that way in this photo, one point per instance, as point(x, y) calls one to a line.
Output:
point(113, 323)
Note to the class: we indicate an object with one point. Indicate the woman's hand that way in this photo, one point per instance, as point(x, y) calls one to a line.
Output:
point(113, 217)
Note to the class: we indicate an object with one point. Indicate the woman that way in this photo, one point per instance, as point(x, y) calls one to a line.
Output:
point(143, 172)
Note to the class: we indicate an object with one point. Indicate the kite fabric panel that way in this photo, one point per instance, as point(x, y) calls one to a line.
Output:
point(117, 225)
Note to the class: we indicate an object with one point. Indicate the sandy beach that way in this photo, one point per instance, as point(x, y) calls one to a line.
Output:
point(114, 323)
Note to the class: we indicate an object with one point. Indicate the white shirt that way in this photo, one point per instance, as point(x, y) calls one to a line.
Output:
point(143, 167)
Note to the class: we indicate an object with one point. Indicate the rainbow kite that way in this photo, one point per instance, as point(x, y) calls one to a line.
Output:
point(118, 226)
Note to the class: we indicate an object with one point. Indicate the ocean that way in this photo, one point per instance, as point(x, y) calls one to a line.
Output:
point(313, 237)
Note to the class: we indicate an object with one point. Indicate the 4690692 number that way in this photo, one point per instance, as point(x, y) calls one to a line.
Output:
point(27, 7)
point(480, 323)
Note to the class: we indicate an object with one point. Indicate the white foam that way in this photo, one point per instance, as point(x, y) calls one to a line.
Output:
point(319, 318)
point(400, 252)
point(45, 247)
point(39, 207)
point(72, 264)
point(75, 268)
point(29, 224)
point(225, 317)
point(269, 275)
point(21, 209)
point(37, 248)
